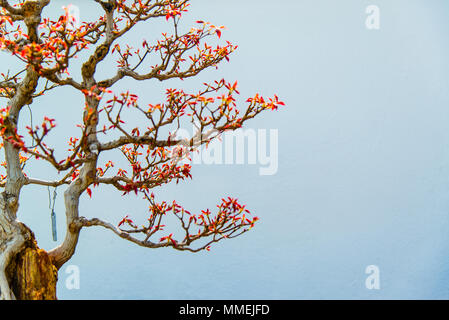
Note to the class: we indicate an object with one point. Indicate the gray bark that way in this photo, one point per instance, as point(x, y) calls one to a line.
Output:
point(12, 233)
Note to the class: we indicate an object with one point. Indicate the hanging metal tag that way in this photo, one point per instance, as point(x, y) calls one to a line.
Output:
point(51, 205)
point(53, 226)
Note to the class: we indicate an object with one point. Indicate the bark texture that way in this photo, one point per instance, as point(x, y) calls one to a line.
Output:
point(26, 272)
point(32, 275)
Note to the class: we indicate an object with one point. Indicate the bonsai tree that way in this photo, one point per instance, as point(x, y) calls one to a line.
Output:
point(45, 49)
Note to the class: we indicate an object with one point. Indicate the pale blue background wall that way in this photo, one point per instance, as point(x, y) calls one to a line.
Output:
point(363, 162)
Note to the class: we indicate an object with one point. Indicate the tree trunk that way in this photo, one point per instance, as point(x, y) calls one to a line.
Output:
point(31, 274)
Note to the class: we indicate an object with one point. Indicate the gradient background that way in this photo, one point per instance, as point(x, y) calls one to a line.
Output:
point(363, 161)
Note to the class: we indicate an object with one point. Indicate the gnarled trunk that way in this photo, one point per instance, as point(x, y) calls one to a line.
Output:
point(29, 274)
point(32, 275)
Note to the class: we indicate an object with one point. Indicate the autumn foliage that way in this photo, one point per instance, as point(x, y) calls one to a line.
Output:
point(47, 48)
